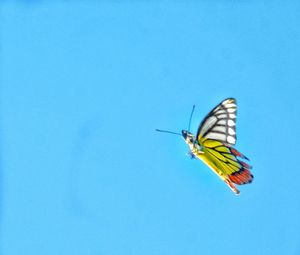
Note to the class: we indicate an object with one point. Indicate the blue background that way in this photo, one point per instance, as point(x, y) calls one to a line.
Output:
point(83, 86)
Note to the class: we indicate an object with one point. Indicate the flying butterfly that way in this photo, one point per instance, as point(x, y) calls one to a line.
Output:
point(213, 144)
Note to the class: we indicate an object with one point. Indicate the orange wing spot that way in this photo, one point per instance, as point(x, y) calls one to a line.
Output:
point(243, 176)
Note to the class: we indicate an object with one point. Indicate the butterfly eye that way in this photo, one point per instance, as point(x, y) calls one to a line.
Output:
point(191, 140)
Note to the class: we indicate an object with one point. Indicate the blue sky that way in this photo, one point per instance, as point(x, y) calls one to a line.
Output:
point(83, 86)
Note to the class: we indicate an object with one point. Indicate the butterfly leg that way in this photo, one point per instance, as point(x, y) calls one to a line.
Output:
point(232, 187)
point(191, 155)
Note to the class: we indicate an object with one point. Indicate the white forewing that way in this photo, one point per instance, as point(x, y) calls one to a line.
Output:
point(220, 123)
point(210, 123)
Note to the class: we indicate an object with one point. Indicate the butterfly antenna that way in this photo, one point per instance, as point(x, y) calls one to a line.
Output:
point(166, 131)
point(191, 117)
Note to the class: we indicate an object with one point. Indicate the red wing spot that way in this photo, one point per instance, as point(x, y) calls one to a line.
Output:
point(245, 165)
point(237, 153)
point(243, 176)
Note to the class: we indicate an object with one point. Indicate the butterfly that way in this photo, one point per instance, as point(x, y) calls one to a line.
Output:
point(213, 144)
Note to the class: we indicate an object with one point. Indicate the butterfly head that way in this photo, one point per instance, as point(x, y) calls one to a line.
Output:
point(188, 137)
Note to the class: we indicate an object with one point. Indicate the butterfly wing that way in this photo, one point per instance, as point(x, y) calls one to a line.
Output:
point(217, 135)
point(220, 124)
point(227, 160)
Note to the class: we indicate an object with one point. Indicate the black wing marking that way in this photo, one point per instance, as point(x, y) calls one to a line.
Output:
point(220, 123)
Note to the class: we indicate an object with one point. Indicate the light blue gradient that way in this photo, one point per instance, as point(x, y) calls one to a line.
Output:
point(83, 86)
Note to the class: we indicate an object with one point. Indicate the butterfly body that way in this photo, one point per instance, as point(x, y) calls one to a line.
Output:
point(213, 145)
point(191, 141)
